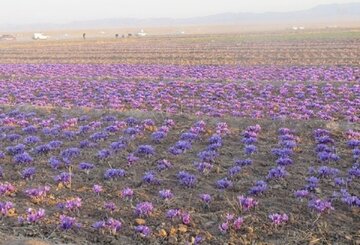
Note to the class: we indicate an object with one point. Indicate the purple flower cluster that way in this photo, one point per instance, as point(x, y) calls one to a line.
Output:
point(114, 173)
point(28, 173)
point(301, 194)
point(145, 150)
point(7, 189)
point(186, 139)
point(277, 173)
point(186, 179)
point(324, 146)
point(247, 203)
point(23, 158)
point(259, 188)
point(144, 230)
point(67, 222)
point(86, 166)
point(231, 222)
point(224, 183)
point(63, 178)
point(150, 178)
point(206, 199)
point(178, 213)
point(127, 193)
point(163, 165)
point(250, 135)
point(71, 204)
point(351, 200)
point(144, 209)
point(166, 194)
point(38, 193)
point(278, 219)
point(321, 206)
point(111, 225)
point(97, 189)
point(222, 129)
point(203, 167)
point(32, 216)
point(287, 142)
point(6, 208)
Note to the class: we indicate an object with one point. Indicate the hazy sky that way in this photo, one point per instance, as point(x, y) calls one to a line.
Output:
point(62, 11)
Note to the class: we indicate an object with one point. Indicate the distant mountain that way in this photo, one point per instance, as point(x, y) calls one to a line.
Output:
point(327, 13)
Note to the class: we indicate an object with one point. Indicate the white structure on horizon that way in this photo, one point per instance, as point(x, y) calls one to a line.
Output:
point(142, 33)
point(297, 28)
point(39, 36)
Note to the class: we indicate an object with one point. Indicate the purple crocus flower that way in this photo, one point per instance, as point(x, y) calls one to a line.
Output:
point(103, 154)
point(23, 158)
point(224, 183)
point(250, 149)
point(28, 173)
point(97, 189)
point(131, 158)
point(144, 209)
point(203, 167)
point(312, 183)
point(166, 194)
point(31, 140)
point(145, 150)
point(163, 164)
point(127, 193)
point(6, 208)
point(205, 198)
point(246, 203)
point(244, 162)
point(55, 144)
point(86, 166)
point(67, 222)
point(144, 230)
point(234, 171)
point(259, 188)
point(173, 213)
point(32, 215)
point(284, 161)
point(325, 171)
point(110, 206)
point(37, 193)
point(71, 204)
point(113, 225)
point(114, 173)
point(301, 193)
point(54, 162)
point(238, 223)
point(277, 173)
point(150, 178)
point(64, 178)
point(158, 136)
point(224, 227)
point(278, 219)
point(320, 206)
point(70, 153)
point(186, 179)
point(208, 156)
point(99, 136)
point(186, 218)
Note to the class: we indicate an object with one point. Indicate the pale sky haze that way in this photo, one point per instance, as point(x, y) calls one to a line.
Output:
point(63, 11)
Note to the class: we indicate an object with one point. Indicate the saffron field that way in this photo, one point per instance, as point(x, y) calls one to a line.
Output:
point(184, 140)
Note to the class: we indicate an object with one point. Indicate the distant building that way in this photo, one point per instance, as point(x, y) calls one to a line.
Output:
point(298, 28)
point(39, 36)
point(141, 33)
point(7, 38)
